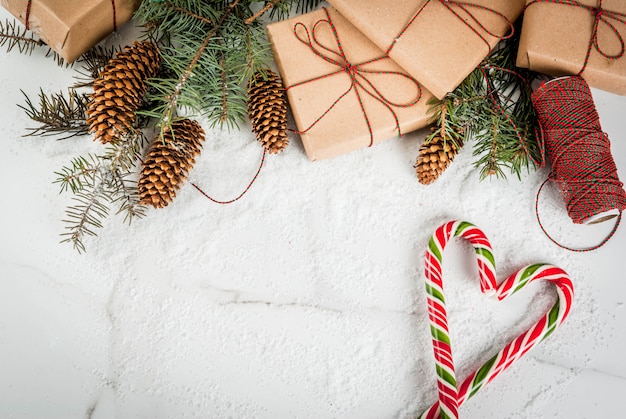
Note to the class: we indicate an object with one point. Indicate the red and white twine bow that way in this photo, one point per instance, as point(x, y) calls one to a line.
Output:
point(358, 74)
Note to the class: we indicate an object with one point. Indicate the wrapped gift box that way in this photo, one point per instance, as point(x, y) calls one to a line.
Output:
point(343, 90)
point(437, 42)
point(556, 39)
point(71, 27)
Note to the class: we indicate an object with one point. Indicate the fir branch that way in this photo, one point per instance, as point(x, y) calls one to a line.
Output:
point(268, 5)
point(78, 175)
point(208, 64)
point(189, 13)
point(58, 114)
point(85, 216)
point(283, 9)
point(493, 108)
point(224, 89)
point(12, 36)
point(97, 182)
point(173, 99)
point(93, 62)
point(126, 194)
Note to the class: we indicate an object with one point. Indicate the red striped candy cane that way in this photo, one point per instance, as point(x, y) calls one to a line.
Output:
point(450, 395)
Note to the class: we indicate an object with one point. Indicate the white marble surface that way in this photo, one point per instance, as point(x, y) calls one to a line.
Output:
point(303, 300)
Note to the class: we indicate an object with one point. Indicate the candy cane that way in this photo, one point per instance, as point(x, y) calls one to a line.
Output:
point(450, 395)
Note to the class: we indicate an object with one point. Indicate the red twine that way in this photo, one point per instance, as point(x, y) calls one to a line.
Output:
point(476, 27)
point(241, 194)
point(600, 15)
point(359, 82)
point(30, 3)
point(579, 151)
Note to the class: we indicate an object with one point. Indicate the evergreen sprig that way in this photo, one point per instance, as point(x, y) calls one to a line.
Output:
point(492, 107)
point(15, 36)
point(210, 49)
point(58, 114)
point(97, 182)
point(92, 62)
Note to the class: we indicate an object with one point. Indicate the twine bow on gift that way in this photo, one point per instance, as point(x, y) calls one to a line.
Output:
point(30, 3)
point(456, 8)
point(600, 15)
point(358, 74)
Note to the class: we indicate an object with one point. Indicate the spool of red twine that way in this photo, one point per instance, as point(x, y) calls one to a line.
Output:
point(579, 152)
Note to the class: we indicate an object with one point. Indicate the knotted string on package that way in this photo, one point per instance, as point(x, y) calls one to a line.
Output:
point(608, 18)
point(458, 8)
point(30, 3)
point(579, 152)
point(358, 73)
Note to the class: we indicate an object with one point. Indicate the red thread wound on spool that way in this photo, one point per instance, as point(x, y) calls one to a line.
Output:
point(578, 149)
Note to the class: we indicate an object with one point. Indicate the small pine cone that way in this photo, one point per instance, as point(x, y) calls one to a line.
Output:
point(169, 161)
point(434, 157)
point(267, 109)
point(119, 91)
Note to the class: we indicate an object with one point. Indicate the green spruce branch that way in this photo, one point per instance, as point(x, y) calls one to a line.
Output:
point(492, 108)
point(98, 182)
point(210, 49)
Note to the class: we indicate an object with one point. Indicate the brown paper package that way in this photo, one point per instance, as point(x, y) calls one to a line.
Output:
point(72, 27)
point(344, 128)
point(437, 49)
point(555, 40)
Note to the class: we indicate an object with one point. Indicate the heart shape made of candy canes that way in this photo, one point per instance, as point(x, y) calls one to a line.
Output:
point(450, 395)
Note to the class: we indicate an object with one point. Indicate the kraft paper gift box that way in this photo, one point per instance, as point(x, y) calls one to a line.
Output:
point(343, 92)
point(557, 38)
point(438, 42)
point(72, 27)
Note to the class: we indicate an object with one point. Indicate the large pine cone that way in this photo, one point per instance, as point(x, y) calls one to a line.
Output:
point(267, 109)
point(434, 158)
point(119, 91)
point(169, 161)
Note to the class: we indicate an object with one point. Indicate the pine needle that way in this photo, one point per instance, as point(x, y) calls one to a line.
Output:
point(58, 114)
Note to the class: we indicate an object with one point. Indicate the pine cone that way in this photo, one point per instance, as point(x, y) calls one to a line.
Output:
point(267, 109)
point(119, 91)
point(169, 161)
point(434, 157)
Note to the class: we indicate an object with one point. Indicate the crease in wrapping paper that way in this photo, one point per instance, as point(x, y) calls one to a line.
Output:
point(438, 49)
point(341, 128)
point(556, 39)
point(72, 27)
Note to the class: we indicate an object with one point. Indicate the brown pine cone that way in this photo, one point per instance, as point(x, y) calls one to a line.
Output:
point(169, 161)
point(434, 158)
point(267, 109)
point(119, 91)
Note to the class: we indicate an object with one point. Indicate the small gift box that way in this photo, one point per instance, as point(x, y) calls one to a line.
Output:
point(71, 27)
point(344, 92)
point(585, 37)
point(439, 42)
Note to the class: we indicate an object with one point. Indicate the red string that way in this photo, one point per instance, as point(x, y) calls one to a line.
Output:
point(358, 75)
point(241, 194)
point(27, 17)
point(600, 15)
point(30, 2)
point(579, 151)
point(463, 6)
